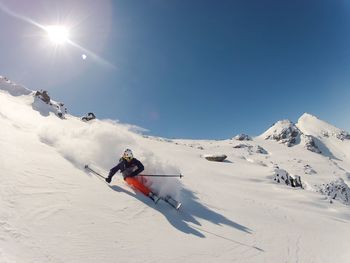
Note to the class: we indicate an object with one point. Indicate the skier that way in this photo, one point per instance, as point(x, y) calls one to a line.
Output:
point(131, 167)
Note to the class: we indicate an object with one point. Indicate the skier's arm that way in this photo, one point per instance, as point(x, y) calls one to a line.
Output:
point(139, 169)
point(114, 170)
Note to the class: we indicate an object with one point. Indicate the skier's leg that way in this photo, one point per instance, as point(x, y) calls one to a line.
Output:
point(138, 185)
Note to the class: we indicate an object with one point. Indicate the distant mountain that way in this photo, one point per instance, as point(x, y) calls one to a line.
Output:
point(309, 131)
point(311, 125)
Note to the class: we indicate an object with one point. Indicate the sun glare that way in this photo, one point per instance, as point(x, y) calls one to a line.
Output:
point(57, 34)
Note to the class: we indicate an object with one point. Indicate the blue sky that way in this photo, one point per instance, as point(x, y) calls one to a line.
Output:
point(187, 69)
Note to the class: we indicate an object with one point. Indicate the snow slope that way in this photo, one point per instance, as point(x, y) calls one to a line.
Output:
point(54, 211)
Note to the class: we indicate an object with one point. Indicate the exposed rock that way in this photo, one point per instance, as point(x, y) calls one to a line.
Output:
point(343, 135)
point(284, 132)
point(61, 110)
point(282, 176)
point(310, 144)
point(337, 189)
point(251, 148)
point(43, 95)
point(309, 170)
point(90, 116)
point(325, 134)
point(240, 146)
point(215, 158)
point(45, 105)
point(242, 137)
point(261, 150)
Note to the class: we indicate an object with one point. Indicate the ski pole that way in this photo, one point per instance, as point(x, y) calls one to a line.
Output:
point(162, 175)
point(91, 170)
point(148, 175)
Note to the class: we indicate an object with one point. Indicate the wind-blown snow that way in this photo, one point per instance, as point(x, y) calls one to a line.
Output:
point(52, 210)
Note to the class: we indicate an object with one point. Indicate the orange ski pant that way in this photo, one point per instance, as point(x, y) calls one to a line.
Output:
point(138, 185)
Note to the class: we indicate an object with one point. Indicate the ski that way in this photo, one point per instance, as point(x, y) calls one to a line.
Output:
point(171, 201)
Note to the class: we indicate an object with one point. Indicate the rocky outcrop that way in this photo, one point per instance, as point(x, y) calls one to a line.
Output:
point(337, 189)
point(44, 105)
point(282, 176)
point(260, 149)
point(215, 157)
point(43, 95)
point(309, 170)
point(343, 135)
point(284, 132)
point(90, 116)
point(251, 148)
point(310, 144)
point(242, 137)
point(241, 146)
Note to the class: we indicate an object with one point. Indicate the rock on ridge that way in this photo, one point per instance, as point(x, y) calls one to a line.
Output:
point(242, 137)
point(285, 132)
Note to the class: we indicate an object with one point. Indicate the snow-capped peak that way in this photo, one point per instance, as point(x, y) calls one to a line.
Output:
point(286, 132)
point(283, 131)
point(312, 125)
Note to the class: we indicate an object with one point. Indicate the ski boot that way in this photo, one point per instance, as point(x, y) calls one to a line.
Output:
point(154, 197)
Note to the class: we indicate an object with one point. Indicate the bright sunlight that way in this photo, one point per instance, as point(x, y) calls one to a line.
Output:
point(57, 34)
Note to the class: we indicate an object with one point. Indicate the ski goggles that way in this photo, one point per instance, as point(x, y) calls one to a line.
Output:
point(127, 158)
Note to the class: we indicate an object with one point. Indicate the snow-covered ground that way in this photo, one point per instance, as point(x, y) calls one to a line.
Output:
point(52, 210)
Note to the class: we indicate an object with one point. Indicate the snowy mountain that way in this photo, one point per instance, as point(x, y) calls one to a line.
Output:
point(247, 208)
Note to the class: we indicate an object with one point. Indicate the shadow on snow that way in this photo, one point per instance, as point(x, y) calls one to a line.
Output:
point(185, 219)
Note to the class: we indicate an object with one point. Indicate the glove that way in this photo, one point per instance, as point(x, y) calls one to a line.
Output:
point(108, 179)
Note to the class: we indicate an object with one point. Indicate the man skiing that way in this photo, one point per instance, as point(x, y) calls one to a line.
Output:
point(131, 167)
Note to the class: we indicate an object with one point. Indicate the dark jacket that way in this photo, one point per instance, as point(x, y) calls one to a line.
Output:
point(128, 169)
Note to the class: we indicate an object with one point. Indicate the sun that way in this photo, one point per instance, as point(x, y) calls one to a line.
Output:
point(57, 34)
